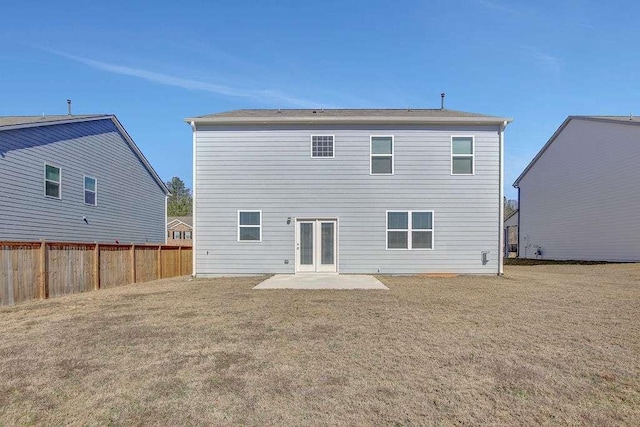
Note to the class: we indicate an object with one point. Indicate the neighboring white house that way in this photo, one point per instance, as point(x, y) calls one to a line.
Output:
point(348, 191)
point(578, 197)
point(77, 178)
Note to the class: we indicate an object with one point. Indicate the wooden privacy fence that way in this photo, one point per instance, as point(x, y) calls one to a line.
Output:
point(39, 270)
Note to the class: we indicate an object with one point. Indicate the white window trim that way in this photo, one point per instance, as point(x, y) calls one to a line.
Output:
point(238, 226)
point(45, 180)
point(371, 155)
point(409, 230)
point(333, 140)
point(84, 188)
point(472, 155)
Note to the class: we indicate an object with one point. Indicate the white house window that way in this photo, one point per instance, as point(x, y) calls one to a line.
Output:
point(187, 235)
point(382, 155)
point(249, 226)
point(90, 191)
point(462, 155)
point(409, 229)
point(177, 235)
point(52, 181)
point(322, 146)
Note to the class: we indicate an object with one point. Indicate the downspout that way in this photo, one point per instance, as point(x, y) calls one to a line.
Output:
point(501, 192)
point(519, 212)
point(194, 233)
point(166, 221)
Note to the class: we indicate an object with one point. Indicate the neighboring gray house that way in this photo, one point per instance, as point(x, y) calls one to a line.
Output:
point(77, 178)
point(511, 235)
point(579, 195)
point(348, 191)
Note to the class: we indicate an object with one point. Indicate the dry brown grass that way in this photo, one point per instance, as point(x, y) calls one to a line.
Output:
point(552, 344)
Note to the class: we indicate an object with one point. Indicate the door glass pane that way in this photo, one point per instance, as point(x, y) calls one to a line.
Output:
point(306, 243)
point(327, 243)
point(381, 164)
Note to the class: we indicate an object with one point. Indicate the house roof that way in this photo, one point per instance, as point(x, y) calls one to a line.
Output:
point(26, 120)
point(511, 214)
point(186, 220)
point(319, 115)
point(626, 120)
point(17, 122)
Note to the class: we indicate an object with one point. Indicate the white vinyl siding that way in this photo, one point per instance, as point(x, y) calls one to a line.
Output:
point(249, 226)
point(52, 181)
point(322, 146)
point(381, 152)
point(462, 155)
point(410, 230)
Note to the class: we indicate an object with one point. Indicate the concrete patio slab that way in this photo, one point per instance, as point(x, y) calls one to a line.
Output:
point(321, 281)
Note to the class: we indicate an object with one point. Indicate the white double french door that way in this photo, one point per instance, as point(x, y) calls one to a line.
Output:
point(316, 245)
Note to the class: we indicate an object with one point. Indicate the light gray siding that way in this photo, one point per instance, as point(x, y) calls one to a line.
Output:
point(131, 204)
point(271, 169)
point(579, 201)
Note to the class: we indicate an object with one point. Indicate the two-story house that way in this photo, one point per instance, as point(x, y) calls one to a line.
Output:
point(348, 191)
point(78, 178)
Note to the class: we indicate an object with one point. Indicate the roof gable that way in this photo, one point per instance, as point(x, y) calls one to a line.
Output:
point(618, 120)
point(18, 122)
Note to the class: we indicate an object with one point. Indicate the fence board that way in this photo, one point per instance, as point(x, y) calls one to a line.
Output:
point(115, 266)
point(29, 270)
point(19, 273)
point(146, 263)
point(169, 261)
point(69, 268)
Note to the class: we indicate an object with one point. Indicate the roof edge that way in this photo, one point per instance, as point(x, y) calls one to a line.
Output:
point(57, 122)
point(347, 120)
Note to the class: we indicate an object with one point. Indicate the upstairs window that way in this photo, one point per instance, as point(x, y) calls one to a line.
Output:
point(249, 226)
point(187, 235)
point(177, 235)
point(462, 155)
point(52, 175)
point(322, 146)
point(409, 229)
point(90, 191)
point(381, 155)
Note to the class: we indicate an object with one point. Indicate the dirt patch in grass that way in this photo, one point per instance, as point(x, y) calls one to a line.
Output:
point(545, 344)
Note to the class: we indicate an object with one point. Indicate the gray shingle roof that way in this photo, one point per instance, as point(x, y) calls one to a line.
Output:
point(626, 119)
point(345, 115)
point(25, 120)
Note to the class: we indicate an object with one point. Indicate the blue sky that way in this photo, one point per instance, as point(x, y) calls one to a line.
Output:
point(153, 63)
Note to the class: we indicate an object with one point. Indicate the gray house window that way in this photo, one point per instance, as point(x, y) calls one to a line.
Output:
point(249, 226)
point(409, 229)
point(322, 146)
point(52, 180)
point(90, 191)
point(462, 155)
point(381, 155)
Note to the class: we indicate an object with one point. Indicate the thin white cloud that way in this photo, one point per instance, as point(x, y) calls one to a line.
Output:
point(544, 60)
point(266, 95)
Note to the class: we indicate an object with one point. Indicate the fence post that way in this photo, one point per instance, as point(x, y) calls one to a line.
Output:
point(133, 263)
point(159, 261)
point(179, 260)
point(96, 267)
point(43, 292)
